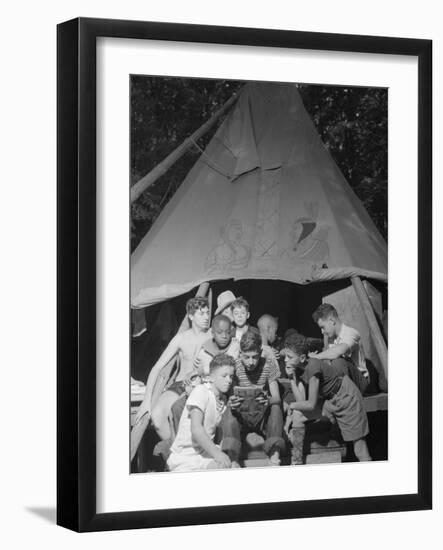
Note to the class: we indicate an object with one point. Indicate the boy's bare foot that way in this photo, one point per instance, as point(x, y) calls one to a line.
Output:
point(235, 464)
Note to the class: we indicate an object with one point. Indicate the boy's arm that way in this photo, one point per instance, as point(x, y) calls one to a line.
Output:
point(298, 389)
point(169, 353)
point(310, 403)
point(333, 352)
point(202, 439)
point(199, 361)
point(275, 392)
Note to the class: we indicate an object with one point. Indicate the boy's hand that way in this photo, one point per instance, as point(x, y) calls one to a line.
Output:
point(290, 371)
point(222, 460)
point(312, 353)
point(234, 402)
point(141, 412)
point(197, 363)
point(263, 399)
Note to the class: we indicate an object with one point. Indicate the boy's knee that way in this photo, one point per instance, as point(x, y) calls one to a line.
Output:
point(298, 419)
point(159, 419)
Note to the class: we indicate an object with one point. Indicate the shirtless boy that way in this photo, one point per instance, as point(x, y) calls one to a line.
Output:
point(185, 346)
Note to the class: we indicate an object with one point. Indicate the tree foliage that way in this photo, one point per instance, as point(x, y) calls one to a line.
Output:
point(351, 121)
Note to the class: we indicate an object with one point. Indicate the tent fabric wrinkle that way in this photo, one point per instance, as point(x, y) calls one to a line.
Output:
point(264, 201)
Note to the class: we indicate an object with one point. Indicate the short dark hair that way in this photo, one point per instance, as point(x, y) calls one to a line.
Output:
point(222, 360)
point(193, 304)
point(218, 318)
point(297, 343)
point(290, 331)
point(251, 340)
point(323, 312)
point(240, 302)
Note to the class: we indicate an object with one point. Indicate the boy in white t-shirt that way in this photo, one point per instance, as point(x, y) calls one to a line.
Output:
point(344, 346)
point(194, 447)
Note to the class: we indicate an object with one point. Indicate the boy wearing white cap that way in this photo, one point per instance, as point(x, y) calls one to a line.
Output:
point(224, 301)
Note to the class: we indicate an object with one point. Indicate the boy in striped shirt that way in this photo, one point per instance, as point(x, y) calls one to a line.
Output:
point(261, 413)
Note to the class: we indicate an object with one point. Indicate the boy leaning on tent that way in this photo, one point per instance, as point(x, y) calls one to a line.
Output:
point(185, 346)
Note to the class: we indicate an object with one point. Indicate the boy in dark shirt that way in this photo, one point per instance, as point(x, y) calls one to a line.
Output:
point(261, 414)
point(343, 402)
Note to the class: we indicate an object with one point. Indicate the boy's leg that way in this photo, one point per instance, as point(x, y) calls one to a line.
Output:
point(160, 413)
point(361, 450)
point(297, 437)
point(347, 408)
point(231, 435)
point(273, 429)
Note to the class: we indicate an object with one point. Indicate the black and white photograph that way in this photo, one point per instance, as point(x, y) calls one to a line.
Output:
point(258, 274)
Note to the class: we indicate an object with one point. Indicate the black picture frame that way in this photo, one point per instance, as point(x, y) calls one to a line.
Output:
point(77, 248)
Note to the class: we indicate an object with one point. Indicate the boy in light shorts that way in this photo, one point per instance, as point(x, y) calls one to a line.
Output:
point(194, 447)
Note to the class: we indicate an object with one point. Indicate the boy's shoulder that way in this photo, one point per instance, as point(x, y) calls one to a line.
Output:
point(199, 395)
point(313, 367)
point(268, 366)
point(209, 346)
point(348, 332)
point(190, 335)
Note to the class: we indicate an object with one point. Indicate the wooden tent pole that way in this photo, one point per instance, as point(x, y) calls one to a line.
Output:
point(146, 181)
point(139, 429)
point(377, 336)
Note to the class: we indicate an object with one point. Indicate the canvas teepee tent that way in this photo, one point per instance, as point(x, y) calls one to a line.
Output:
point(265, 200)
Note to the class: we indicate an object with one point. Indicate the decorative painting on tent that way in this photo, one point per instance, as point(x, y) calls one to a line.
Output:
point(276, 193)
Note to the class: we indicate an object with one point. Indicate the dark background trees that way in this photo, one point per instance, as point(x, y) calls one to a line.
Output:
point(352, 122)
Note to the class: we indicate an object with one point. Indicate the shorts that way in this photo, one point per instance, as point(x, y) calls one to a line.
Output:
point(187, 463)
point(347, 408)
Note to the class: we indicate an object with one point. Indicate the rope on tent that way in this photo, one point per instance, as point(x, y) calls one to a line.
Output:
point(206, 159)
point(166, 193)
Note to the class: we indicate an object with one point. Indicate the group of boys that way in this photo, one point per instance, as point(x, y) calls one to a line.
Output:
point(227, 385)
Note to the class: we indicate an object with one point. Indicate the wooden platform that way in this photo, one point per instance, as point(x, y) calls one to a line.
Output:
point(377, 402)
point(324, 458)
point(320, 447)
